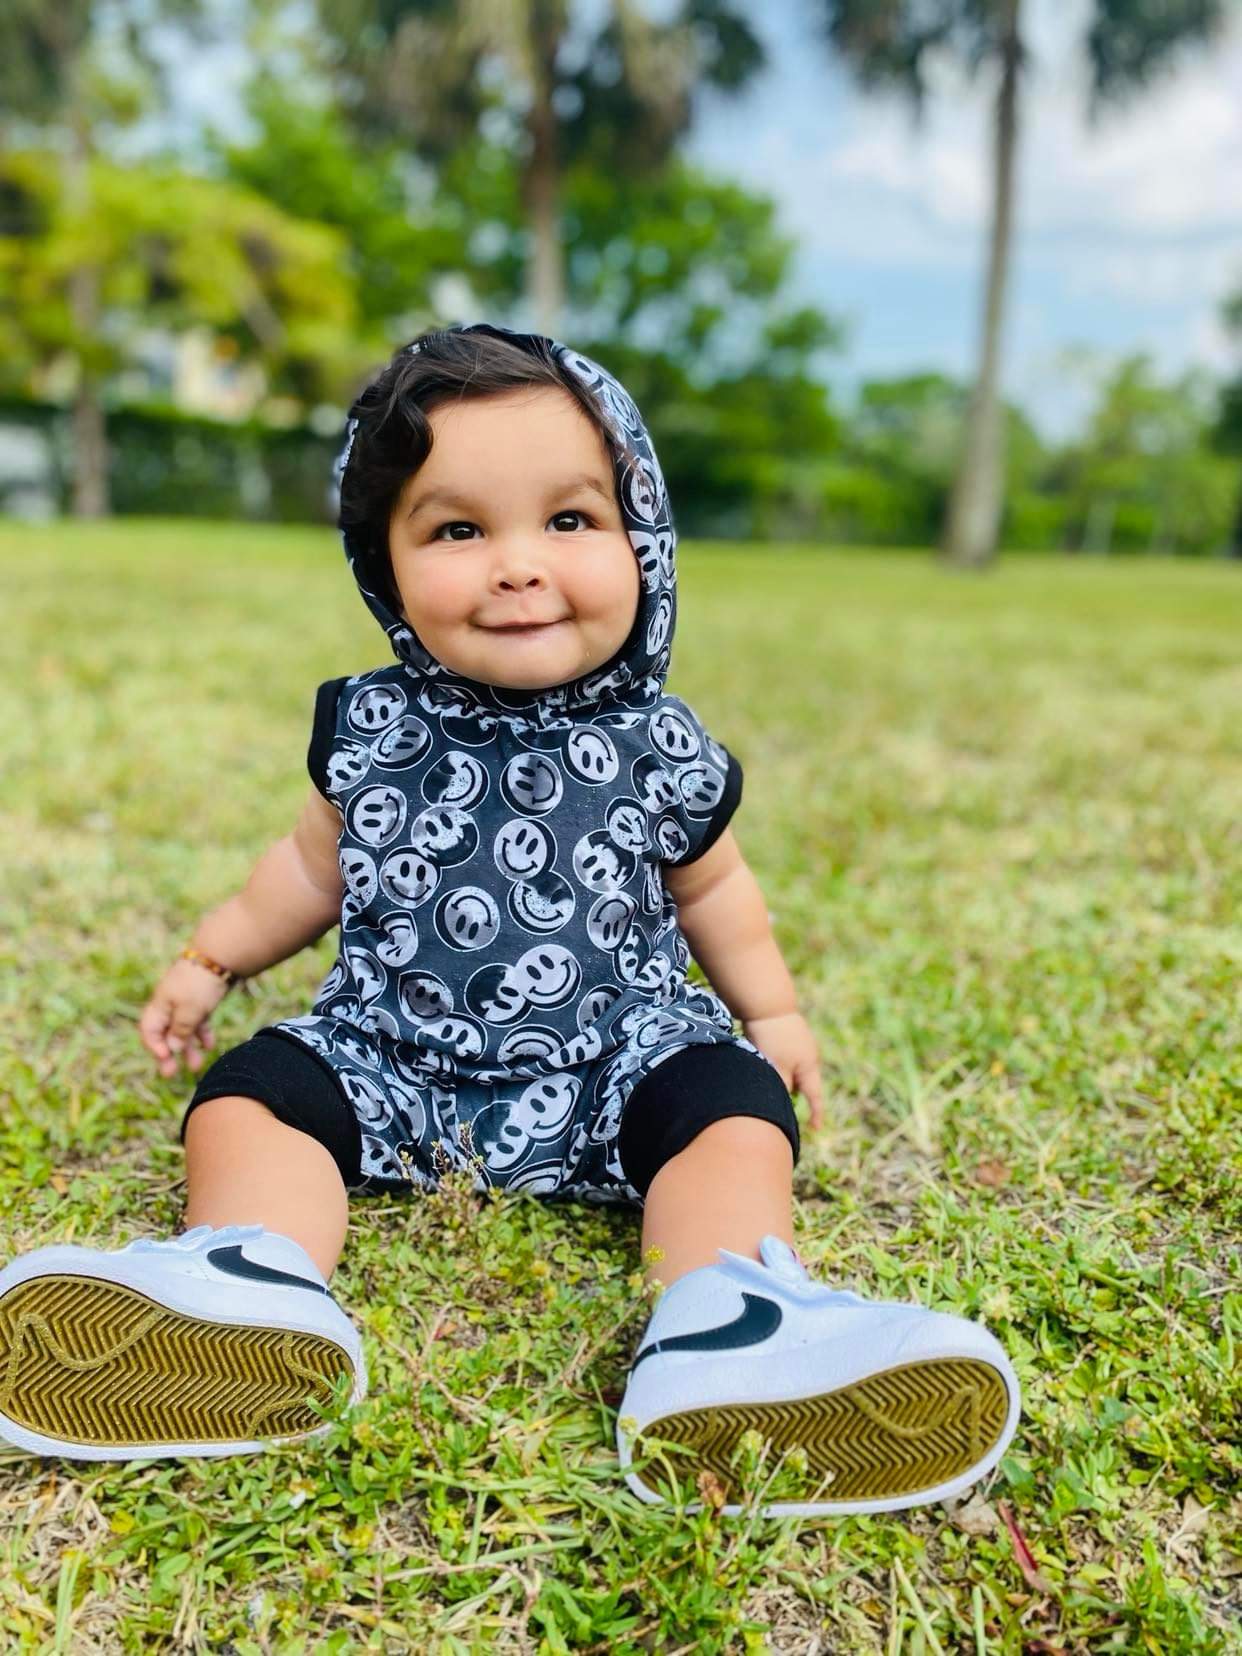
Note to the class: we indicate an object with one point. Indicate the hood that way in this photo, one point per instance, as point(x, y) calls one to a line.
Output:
point(634, 677)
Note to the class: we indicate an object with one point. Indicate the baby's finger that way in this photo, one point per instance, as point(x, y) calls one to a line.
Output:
point(813, 1092)
point(153, 1027)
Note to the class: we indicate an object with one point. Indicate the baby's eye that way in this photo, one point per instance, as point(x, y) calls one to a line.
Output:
point(463, 523)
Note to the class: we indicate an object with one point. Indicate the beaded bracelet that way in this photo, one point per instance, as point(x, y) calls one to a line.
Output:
point(191, 953)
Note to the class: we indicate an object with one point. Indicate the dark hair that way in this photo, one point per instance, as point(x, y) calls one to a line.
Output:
point(394, 436)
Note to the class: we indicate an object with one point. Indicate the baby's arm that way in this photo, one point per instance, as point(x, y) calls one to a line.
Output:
point(723, 916)
point(292, 896)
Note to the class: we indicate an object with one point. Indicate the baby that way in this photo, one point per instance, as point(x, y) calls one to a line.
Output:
point(523, 838)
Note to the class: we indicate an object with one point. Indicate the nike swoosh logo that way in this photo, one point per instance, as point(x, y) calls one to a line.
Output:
point(233, 1261)
point(761, 1318)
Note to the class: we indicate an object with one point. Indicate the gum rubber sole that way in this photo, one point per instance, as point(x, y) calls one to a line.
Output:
point(95, 1362)
point(910, 1428)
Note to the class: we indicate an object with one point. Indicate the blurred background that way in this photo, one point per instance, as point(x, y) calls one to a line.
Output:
point(903, 274)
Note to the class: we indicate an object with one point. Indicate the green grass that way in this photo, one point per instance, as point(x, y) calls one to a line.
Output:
point(997, 824)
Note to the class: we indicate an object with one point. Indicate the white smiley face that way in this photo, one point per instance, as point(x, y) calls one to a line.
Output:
point(629, 956)
point(531, 1042)
point(591, 755)
point(661, 624)
point(540, 1179)
point(444, 835)
point(671, 839)
point(456, 779)
point(347, 766)
point(370, 1104)
point(595, 1003)
point(673, 735)
point(600, 863)
point(369, 977)
point(463, 1037)
point(407, 877)
point(358, 873)
point(531, 782)
point(627, 824)
point(522, 848)
point(609, 918)
point(403, 743)
point(376, 708)
point(546, 975)
point(423, 996)
point(375, 816)
point(493, 996)
point(376, 1020)
point(468, 918)
point(332, 984)
point(542, 904)
point(701, 787)
point(654, 976)
point(400, 942)
point(547, 1105)
point(578, 1049)
point(653, 784)
point(360, 1050)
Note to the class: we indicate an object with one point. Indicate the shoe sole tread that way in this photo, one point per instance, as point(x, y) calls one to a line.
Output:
point(86, 1360)
point(893, 1434)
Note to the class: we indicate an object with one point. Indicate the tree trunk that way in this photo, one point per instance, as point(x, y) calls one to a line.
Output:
point(546, 283)
point(90, 438)
point(973, 518)
point(1234, 549)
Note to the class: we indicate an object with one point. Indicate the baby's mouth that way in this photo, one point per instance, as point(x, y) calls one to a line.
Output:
point(525, 629)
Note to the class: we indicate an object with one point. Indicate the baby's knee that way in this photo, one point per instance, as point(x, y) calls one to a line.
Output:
point(754, 1137)
point(228, 1116)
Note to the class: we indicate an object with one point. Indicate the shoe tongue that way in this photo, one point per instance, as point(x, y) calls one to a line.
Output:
point(778, 1256)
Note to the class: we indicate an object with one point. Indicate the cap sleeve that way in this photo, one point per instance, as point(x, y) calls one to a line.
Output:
point(323, 731)
point(707, 775)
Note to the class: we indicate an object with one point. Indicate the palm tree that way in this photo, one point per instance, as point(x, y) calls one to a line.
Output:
point(427, 70)
point(1128, 43)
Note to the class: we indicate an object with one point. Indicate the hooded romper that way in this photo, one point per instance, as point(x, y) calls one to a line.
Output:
point(510, 965)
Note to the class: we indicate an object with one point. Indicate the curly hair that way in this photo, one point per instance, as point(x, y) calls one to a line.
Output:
point(393, 436)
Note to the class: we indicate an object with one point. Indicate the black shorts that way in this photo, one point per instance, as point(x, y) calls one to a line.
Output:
point(668, 1107)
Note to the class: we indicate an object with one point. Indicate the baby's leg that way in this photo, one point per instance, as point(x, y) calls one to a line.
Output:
point(245, 1167)
point(708, 1138)
point(731, 1185)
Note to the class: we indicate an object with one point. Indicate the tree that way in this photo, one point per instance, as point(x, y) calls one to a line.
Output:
point(1127, 44)
point(439, 74)
point(75, 70)
point(398, 233)
point(1227, 428)
point(678, 279)
point(168, 248)
point(1143, 477)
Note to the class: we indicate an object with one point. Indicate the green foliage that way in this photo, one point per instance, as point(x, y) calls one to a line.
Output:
point(174, 249)
point(1146, 465)
point(996, 825)
point(396, 233)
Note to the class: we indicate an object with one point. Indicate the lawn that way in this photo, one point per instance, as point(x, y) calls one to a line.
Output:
point(998, 821)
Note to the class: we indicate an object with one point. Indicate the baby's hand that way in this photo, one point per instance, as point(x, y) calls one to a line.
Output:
point(787, 1040)
point(174, 1020)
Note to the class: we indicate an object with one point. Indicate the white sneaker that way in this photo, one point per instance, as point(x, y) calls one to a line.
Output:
point(207, 1343)
point(895, 1406)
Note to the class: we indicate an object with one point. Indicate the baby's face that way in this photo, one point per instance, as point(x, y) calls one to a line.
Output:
point(513, 517)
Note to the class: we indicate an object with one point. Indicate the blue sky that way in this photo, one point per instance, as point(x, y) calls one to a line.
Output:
point(1128, 235)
